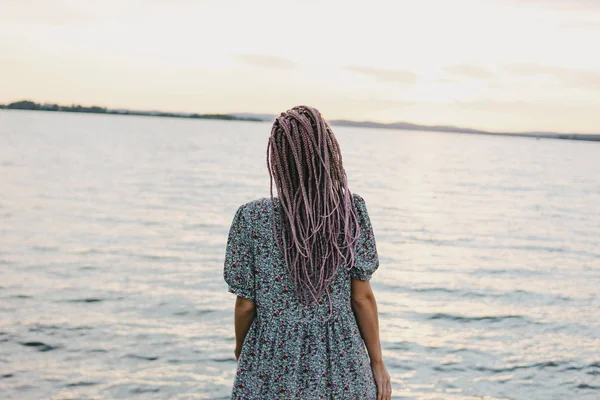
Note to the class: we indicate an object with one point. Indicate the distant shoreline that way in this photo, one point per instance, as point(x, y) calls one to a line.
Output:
point(32, 106)
point(452, 129)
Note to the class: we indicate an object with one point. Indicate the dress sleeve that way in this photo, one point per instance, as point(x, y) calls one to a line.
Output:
point(366, 258)
point(239, 257)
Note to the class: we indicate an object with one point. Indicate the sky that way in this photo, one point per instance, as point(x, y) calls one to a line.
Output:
point(501, 65)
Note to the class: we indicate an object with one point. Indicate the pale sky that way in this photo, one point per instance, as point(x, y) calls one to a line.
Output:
point(503, 65)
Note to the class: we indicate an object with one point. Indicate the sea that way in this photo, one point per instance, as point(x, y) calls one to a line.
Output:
point(113, 232)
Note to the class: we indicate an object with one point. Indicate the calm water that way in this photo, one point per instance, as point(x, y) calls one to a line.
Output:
point(112, 240)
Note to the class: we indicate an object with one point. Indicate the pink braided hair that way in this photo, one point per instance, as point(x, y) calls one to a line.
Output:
point(316, 225)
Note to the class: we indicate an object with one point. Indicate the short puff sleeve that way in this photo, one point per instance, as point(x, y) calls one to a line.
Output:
point(239, 256)
point(366, 257)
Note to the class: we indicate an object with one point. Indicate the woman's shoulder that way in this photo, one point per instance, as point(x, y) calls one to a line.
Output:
point(257, 207)
point(361, 208)
point(261, 202)
point(359, 202)
point(357, 198)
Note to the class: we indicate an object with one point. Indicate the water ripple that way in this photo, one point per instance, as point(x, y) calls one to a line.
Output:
point(140, 357)
point(491, 319)
point(40, 346)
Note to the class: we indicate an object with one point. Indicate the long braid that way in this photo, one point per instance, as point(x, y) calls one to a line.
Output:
point(315, 223)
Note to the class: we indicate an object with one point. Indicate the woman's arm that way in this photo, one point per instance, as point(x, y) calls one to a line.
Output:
point(365, 311)
point(244, 315)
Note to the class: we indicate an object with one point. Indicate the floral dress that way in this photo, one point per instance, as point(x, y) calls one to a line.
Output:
point(294, 351)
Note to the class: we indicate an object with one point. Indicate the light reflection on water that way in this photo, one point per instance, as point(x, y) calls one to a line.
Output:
point(113, 232)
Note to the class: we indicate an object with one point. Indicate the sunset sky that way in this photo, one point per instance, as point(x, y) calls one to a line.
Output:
point(503, 65)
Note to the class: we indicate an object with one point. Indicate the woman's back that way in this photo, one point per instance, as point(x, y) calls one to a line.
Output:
point(294, 350)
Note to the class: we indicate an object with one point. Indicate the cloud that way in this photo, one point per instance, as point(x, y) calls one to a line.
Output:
point(59, 14)
point(579, 78)
point(471, 71)
point(562, 5)
point(584, 25)
point(71, 12)
point(385, 75)
point(504, 106)
point(266, 61)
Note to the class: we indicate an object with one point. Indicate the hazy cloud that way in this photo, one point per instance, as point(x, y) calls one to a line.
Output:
point(266, 61)
point(38, 12)
point(580, 78)
point(505, 106)
point(563, 5)
point(471, 71)
point(585, 25)
point(73, 12)
point(385, 75)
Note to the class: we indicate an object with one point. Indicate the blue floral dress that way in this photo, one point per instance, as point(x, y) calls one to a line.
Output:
point(293, 351)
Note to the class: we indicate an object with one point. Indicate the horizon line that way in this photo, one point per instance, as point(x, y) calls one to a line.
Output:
point(260, 117)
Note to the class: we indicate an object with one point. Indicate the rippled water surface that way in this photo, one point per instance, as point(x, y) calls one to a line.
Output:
point(113, 230)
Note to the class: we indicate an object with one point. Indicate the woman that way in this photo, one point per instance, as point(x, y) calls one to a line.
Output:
point(300, 265)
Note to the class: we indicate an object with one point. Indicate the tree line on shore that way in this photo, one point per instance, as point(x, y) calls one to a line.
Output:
point(33, 106)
